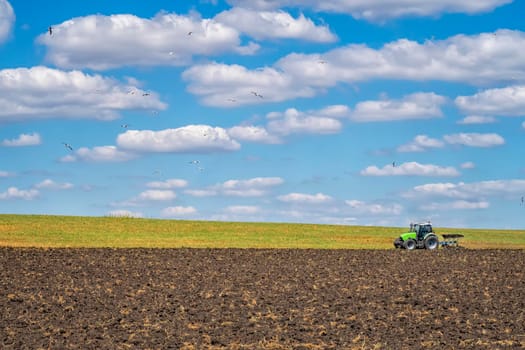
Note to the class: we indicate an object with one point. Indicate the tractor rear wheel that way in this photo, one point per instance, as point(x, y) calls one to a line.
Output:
point(431, 242)
point(410, 244)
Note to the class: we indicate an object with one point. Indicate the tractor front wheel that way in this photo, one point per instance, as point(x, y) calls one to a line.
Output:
point(431, 242)
point(410, 244)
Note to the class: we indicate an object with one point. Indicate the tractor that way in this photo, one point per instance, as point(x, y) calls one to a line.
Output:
point(420, 236)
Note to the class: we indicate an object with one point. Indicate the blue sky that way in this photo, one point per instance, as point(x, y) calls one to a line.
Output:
point(337, 111)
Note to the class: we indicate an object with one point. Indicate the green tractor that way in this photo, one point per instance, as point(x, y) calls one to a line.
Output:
point(420, 236)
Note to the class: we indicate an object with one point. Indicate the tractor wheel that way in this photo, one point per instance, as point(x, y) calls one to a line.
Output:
point(431, 242)
point(398, 243)
point(410, 244)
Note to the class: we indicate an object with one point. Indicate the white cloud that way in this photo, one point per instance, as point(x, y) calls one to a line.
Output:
point(23, 140)
point(294, 122)
point(475, 139)
point(262, 25)
point(421, 143)
point(178, 211)
point(220, 84)
point(468, 165)
point(102, 42)
point(202, 193)
point(415, 106)
point(317, 198)
point(477, 119)
point(410, 169)
point(456, 205)
point(4, 173)
point(242, 209)
point(252, 133)
point(49, 184)
point(7, 19)
point(254, 187)
point(374, 208)
point(99, 154)
point(157, 195)
point(190, 138)
point(15, 193)
point(168, 184)
point(120, 213)
point(475, 59)
point(45, 93)
point(379, 10)
point(472, 191)
point(508, 101)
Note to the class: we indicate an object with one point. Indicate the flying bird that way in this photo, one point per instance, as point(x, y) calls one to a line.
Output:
point(194, 162)
point(146, 94)
point(50, 30)
point(68, 146)
point(256, 94)
point(125, 126)
point(522, 200)
point(393, 164)
point(190, 33)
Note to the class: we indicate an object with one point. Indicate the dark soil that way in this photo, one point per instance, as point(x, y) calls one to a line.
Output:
point(261, 299)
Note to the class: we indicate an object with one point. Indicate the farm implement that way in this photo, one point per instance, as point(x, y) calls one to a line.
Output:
point(422, 236)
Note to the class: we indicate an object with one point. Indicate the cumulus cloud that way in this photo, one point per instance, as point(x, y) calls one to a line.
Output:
point(472, 59)
point(374, 208)
point(49, 184)
point(45, 93)
point(242, 209)
point(121, 213)
point(16, 193)
point(421, 143)
point(317, 198)
point(468, 165)
point(475, 139)
point(410, 169)
point(99, 154)
point(469, 191)
point(379, 10)
point(102, 42)
point(219, 84)
point(254, 187)
point(415, 106)
point(477, 119)
point(294, 122)
point(178, 211)
point(168, 184)
point(4, 173)
point(251, 133)
point(7, 19)
point(456, 205)
point(190, 138)
point(157, 195)
point(262, 25)
point(22, 140)
point(508, 101)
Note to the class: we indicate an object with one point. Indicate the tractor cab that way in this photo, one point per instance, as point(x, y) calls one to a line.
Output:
point(421, 230)
point(419, 236)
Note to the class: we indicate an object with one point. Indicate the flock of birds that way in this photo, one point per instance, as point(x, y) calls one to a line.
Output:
point(196, 162)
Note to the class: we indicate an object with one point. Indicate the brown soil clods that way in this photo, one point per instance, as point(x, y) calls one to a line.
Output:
point(261, 299)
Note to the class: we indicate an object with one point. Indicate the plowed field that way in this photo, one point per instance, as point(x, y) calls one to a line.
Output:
point(261, 299)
